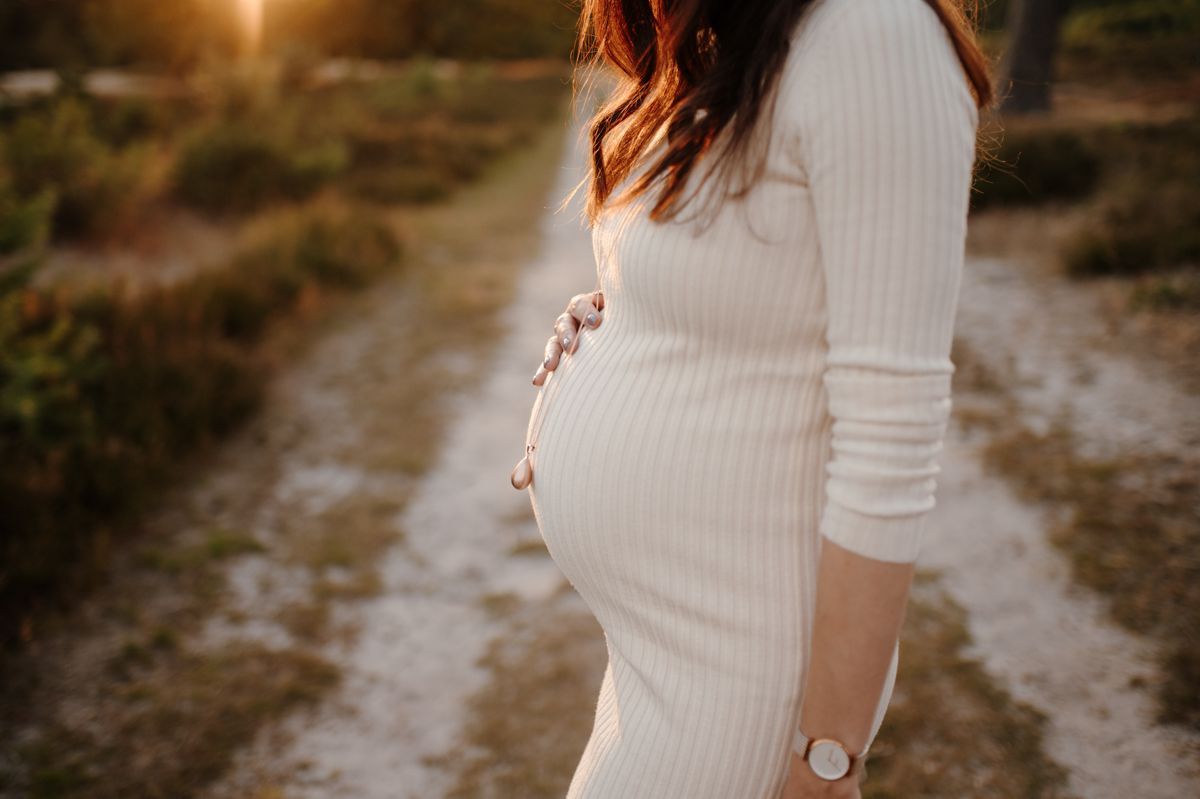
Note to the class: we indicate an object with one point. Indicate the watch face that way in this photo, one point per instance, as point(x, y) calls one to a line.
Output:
point(829, 760)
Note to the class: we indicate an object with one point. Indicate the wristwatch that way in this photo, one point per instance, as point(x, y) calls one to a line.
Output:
point(828, 758)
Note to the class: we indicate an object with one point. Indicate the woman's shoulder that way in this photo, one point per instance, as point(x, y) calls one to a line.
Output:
point(867, 48)
point(872, 68)
point(842, 20)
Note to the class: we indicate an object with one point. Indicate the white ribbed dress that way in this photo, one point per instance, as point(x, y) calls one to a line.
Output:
point(779, 375)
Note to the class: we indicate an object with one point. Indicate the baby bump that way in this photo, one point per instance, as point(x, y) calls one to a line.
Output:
point(580, 453)
point(634, 472)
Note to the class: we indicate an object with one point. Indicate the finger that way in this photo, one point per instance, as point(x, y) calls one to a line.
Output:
point(584, 311)
point(566, 327)
point(552, 354)
point(598, 299)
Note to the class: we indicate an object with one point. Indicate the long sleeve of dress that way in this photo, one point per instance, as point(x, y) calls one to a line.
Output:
point(886, 129)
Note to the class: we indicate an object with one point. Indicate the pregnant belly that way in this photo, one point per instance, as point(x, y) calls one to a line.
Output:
point(667, 461)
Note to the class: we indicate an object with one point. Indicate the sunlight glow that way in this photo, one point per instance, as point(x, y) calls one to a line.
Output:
point(250, 19)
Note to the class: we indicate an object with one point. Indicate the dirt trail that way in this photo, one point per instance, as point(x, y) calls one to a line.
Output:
point(470, 549)
point(413, 664)
point(1049, 640)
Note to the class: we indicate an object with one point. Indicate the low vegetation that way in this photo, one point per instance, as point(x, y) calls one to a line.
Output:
point(1035, 165)
point(982, 740)
point(229, 608)
point(1125, 184)
point(106, 387)
point(528, 727)
point(1140, 40)
point(1147, 218)
point(1135, 173)
point(1132, 531)
point(192, 712)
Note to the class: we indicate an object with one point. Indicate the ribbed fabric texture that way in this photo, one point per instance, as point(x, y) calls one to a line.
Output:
point(775, 377)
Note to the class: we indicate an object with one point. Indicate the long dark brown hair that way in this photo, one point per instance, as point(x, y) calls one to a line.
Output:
point(675, 58)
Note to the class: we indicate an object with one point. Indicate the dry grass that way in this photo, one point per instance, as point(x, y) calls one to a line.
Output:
point(135, 665)
point(527, 729)
point(951, 732)
point(187, 713)
point(1129, 524)
point(1131, 529)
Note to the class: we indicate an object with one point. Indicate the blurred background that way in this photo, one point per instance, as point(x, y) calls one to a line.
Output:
point(274, 275)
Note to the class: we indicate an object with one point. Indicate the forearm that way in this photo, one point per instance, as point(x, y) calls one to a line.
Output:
point(860, 608)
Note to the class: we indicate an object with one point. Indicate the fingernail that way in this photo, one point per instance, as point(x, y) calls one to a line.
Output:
point(566, 343)
point(535, 376)
point(546, 363)
point(590, 319)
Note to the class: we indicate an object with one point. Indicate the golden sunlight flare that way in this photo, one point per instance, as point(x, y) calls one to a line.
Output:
point(250, 20)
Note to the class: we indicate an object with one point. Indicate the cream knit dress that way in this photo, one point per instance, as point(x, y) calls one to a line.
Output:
point(775, 377)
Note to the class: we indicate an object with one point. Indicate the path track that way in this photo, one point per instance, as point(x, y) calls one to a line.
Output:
point(415, 663)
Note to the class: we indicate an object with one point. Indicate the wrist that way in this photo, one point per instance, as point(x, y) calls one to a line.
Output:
point(816, 724)
point(829, 758)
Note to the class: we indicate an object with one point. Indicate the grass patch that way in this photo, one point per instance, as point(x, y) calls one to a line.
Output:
point(1177, 292)
point(527, 729)
point(1037, 164)
point(1147, 217)
point(99, 190)
point(950, 731)
point(288, 255)
point(189, 712)
point(102, 392)
point(237, 167)
point(110, 665)
point(1145, 39)
point(220, 544)
point(1132, 532)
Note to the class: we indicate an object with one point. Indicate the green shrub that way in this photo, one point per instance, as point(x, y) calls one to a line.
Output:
point(1148, 214)
point(99, 189)
point(418, 149)
point(1177, 291)
point(97, 395)
point(1039, 165)
point(326, 244)
point(1141, 19)
point(1139, 39)
point(120, 122)
point(101, 393)
point(399, 184)
point(405, 163)
point(24, 224)
point(241, 166)
point(1141, 230)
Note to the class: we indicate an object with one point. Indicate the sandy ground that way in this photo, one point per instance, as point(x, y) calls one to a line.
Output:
point(1048, 640)
point(416, 659)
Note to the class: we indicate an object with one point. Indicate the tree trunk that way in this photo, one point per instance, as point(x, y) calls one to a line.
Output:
point(1028, 64)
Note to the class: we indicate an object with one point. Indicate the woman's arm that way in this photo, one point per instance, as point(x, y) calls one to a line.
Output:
point(860, 609)
point(885, 124)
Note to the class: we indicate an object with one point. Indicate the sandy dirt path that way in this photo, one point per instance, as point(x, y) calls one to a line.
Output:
point(1050, 641)
point(1047, 640)
point(470, 545)
point(414, 662)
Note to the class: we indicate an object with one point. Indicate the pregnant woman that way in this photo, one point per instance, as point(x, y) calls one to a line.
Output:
point(733, 452)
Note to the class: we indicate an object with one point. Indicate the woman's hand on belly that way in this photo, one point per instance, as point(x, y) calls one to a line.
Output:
point(583, 309)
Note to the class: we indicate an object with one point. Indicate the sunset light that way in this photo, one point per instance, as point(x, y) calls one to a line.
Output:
point(250, 19)
point(372, 385)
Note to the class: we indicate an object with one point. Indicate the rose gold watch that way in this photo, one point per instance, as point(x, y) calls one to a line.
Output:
point(828, 758)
